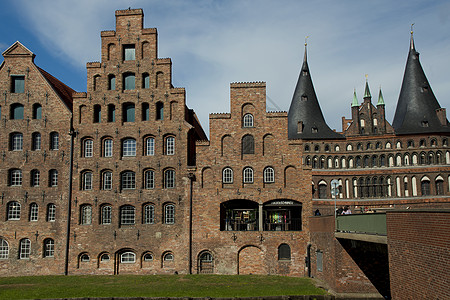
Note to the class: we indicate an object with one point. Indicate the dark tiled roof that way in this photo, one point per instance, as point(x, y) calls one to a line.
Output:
point(417, 105)
point(192, 119)
point(305, 108)
point(63, 91)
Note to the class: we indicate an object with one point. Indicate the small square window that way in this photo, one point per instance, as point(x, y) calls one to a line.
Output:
point(17, 84)
point(129, 52)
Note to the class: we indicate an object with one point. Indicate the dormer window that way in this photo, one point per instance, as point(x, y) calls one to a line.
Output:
point(314, 130)
point(425, 124)
point(304, 98)
point(129, 52)
point(305, 72)
point(424, 89)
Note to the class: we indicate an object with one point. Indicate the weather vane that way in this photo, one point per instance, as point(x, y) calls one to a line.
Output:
point(306, 38)
point(412, 28)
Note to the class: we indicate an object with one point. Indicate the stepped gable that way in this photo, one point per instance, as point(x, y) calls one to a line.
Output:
point(417, 108)
point(305, 118)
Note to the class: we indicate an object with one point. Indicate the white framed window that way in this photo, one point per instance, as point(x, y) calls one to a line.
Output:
point(49, 248)
point(4, 249)
point(36, 141)
point(54, 141)
point(248, 175)
point(108, 148)
point(105, 257)
point(227, 175)
point(107, 180)
point(86, 215)
point(150, 146)
point(128, 258)
point(128, 180)
point(53, 178)
point(13, 209)
point(247, 120)
point(169, 214)
point(106, 214)
point(148, 257)
point(24, 249)
point(127, 215)
point(269, 175)
point(15, 177)
point(17, 142)
point(87, 181)
point(84, 257)
point(149, 179)
point(51, 212)
point(34, 212)
point(35, 178)
point(149, 214)
point(168, 257)
point(170, 145)
point(88, 148)
point(169, 179)
point(129, 147)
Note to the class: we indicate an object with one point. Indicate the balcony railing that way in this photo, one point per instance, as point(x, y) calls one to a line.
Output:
point(252, 225)
point(374, 223)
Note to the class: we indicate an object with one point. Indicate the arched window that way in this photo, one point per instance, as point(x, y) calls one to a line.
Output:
point(86, 178)
point(205, 263)
point(54, 141)
point(88, 147)
point(322, 190)
point(107, 180)
point(51, 212)
point(227, 175)
point(128, 180)
point(16, 112)
point(170, 145)
point(36, 141)
point(53, 178)
point(284, 252)
point(111, 82)
point(13, 210)
point(149, 179)
point(127, 215)
point(349, 147)
point(104, 257)
point(106, 211)
point(147, 257)
point(24, 249)
point(169, 214)
point(128, 81)
point(148, 214)
point(248, 175)
point(4, 249)
point(128, 258)
point(15, 177)
point(37, 111)
point(86, 214)
point(169, 179)
point(16, 141)
point(145, 112)
point(168, 257)
point(107, 147)
point(34, 212)
point(248, 144)
point(159, 111)
point(96, 82)
point(145, 81)
point(84, 257)
point(425, 186)
point(150, 146)
point(111, 113)
point(129, 147)
point(97, 113)
point(269, 175)
point(247, 120)
point(307, 148)
point(439, 184)
point(128, 112)
point(49, 248)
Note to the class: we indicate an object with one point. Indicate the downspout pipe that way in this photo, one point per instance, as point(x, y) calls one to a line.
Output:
point(72, 134)
point(191, 183)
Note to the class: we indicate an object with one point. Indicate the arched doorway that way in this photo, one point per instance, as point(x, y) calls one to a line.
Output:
point(250, 261)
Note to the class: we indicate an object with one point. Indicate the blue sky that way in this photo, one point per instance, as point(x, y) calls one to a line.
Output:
point(214, 43)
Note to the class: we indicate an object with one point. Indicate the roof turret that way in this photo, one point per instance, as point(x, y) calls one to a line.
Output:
point(355, 99)
point(417, 105)
point(380, 98)
point(305, 118)
point(367, 90)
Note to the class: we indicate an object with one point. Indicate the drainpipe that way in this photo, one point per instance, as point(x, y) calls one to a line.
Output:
point(191, 183)
point(72, 134)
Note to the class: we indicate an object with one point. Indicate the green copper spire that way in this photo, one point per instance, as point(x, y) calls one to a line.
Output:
point(380, 98)
point(367, 90)
point(355, 99)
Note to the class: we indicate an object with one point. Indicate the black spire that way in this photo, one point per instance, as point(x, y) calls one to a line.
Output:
point(305, 118)
point(417, 106)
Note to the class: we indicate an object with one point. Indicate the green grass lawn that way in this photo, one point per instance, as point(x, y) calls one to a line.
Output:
point(154, 286)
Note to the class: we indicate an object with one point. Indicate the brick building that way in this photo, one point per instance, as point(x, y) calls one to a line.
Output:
point(122, 178)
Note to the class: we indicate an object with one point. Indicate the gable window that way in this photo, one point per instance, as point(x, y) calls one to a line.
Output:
point(88, 145)
point(37, 111)
point(149, 179)
point(248, 145)
point(248, 120)
point(97, 113)
point(145, 81)
point(169, 179)
point(111, 113)
point(4, 249)
point(127, 215)
point(15, 177)
point(107, 180)
point(87, 181)
point(106, 214)
point(36, 141)
point(17, 142)
point(107, 148)
point(34, 212)
point(54, 141)
point(17, 84)
point(169, 214)
point(159, 111)
point(150, 146)
point(128, 81)
point(128, 180)
point(170, 145)
point(129, 52)
point(149, 214)
point(227, 175)
point(13, 210)
point(51, 212)
point(248, 175)
point(49, 248)
point(128, 112)
point(24, 249)
point(129, 147)
point(86, 215)
point(16, 112)
point(111, 82)
point(269, 175)
point(53, 178)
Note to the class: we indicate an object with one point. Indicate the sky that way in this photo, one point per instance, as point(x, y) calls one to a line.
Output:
point(214, 43)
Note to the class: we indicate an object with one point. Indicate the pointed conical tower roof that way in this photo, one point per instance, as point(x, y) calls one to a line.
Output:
point(355, 99)
point(380, 98)
point(367, 90)
point(305, 118)
point(417, 105)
